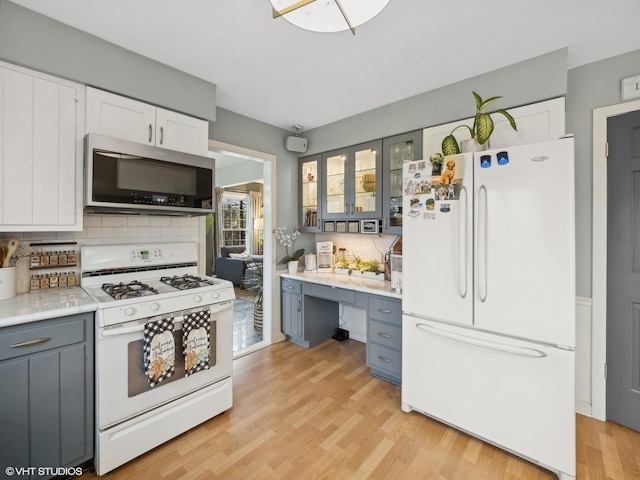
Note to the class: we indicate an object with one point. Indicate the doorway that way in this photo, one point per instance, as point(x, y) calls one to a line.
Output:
point(270, 328)
point(599, 254)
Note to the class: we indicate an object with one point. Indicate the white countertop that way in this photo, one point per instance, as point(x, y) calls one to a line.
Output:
point(33, 307)
point(350, 282)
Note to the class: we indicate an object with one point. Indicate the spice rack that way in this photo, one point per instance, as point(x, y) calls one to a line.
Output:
point(53, 266)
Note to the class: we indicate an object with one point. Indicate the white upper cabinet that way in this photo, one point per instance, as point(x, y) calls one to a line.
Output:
point(120, 117)
point(41, 151)
point(537, 122)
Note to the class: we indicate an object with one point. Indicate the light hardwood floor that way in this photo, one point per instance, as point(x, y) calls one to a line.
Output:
point(318, 414)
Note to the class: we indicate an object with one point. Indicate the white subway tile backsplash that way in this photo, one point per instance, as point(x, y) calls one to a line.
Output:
point(170, 232)
point(138, 220)
point(100, 232)
point(114, 221)
point(159, 221)
point(150, 231)
point(122, 232)
point(181, 221)
point(92, 220)
point(189, 231)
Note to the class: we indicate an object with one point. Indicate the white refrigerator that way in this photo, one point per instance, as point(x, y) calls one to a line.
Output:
point(489, 298)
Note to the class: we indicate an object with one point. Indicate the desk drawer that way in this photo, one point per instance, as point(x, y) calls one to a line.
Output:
point(385, 334)
point(330, 293)
point(290, 286)
point(385, 310)
point(40, 336)
point(385, 359)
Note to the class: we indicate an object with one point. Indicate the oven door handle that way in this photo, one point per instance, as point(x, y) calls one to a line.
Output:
point(112, 332)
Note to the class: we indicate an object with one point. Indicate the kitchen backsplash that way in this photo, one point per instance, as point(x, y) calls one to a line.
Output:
point(367, 247)
point(113, 229)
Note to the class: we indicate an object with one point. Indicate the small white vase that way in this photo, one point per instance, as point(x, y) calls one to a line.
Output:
point(471, 145)
point(293, 266)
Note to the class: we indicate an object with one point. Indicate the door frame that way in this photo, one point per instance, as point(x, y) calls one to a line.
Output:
point(599, 255)
point(271, 329)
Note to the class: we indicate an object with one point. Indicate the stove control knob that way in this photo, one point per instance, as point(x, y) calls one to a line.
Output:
point(197, 298)
point(215, 294)
point(130, 311)
point(155, 306)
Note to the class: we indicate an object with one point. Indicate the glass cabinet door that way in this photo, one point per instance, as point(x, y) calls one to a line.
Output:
point(396, 151)
point(309, 178)
point(336, 198)
point(366, 180)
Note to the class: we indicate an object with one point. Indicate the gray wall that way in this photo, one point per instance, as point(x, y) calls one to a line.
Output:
point(591, 86)
point(540, 78)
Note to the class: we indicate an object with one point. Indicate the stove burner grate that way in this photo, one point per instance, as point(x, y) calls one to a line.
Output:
point(133, 289)
point(186, 282)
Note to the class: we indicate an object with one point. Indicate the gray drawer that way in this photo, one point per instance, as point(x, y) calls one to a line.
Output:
point(40, 336)
point(330, 293)
point(385, 310)
point(290, 286)
point(384, 334)
point(383, 358)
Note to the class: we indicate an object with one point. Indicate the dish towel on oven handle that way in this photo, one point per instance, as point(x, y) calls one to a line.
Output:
point(196, 341)
point(159, 350)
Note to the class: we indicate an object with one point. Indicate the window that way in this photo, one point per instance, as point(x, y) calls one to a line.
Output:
point(235, 209)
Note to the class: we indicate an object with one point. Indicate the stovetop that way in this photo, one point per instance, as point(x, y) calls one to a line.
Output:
point(133, 282)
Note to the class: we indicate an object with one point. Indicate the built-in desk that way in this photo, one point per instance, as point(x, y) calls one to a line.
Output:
point(310, 315)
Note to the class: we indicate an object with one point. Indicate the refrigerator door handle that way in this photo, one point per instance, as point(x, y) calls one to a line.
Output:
point(501, 347)
point(462, 243)
point(482, 243)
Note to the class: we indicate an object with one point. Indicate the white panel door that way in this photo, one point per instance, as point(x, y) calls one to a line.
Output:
point(17, 185)
point(437, 242)
point(517, 395)
point(115, 116)
point(182, 133)
point(42, 129)
point(524, 234)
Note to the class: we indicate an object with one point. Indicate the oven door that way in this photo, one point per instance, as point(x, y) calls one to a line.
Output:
point(122, 388)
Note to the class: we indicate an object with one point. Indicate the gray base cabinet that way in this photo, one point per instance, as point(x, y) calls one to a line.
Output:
point(384, 338)
point(46, 406)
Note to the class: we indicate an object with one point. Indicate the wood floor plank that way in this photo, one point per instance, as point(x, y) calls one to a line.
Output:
point(317, 414)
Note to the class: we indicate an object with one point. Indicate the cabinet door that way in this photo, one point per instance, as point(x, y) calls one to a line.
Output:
point(395, 151)
point(176, 131)
point(336, 202)
point(309, 178)
point(292, 315)
point(41, 152)
point(365, 180)
point(115, 116)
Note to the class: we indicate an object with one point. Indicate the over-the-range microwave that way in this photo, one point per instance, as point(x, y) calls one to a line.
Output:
point(129, 177)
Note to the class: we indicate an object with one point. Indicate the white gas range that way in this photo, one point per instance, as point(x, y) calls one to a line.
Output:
point(163, 345)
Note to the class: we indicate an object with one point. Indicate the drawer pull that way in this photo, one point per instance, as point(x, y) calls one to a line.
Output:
point(385, 359)
point(291, 287)
point(31, 342)
point(384, 310)
point(384, 335)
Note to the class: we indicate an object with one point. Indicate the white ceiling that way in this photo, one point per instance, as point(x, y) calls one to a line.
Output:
point(280, 74)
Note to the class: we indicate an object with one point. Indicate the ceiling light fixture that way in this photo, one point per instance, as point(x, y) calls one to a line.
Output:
point(328, 16)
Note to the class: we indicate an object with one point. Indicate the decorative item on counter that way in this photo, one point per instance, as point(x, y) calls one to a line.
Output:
point(356, 266)
point(8, 270)
point(289, 241)
point(480, 131)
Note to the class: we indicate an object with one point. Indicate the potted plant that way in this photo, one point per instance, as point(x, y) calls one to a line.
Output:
point(253, 282)
point(289, 241)
point(482, 126)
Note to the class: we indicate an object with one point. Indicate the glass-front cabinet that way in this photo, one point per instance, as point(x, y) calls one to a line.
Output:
point(310, 180)
point(395, 151)
point(352, 182)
